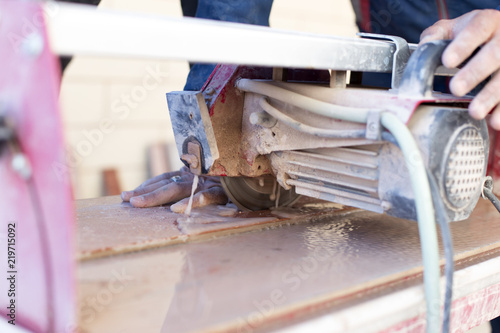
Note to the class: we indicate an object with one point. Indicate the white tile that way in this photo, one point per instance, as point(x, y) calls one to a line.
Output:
point(316, 16)
point(159, 7)
point(130, 178)
point(89, 185)
point(119, 147)
point(90, 180)
point(125, 69)
point(133, 102)
point(81, 102)
point(484, 328)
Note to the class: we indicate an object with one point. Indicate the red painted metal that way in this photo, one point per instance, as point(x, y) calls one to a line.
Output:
point(29, 90)
point(495, 157)
point(467, 312)
point(225, 104)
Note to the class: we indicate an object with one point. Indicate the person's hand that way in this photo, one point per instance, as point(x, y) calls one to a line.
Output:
point(175, 186)
point(468, 32)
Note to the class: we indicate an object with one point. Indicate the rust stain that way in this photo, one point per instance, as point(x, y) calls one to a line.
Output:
point(222, 95)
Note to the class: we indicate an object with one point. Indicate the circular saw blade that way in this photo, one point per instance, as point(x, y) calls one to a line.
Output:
point(257, 193)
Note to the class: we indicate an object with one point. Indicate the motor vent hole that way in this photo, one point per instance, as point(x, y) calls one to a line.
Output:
point(465, 167)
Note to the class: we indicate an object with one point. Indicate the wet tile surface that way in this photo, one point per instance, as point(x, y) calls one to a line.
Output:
point(240, 281)
point(108, 226)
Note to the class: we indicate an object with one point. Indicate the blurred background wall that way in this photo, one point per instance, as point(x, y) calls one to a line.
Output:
point(113, 119)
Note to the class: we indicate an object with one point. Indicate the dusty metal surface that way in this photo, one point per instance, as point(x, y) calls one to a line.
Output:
point(189, 116)
point(225, 106)
point(249, 44)
point(262, 279)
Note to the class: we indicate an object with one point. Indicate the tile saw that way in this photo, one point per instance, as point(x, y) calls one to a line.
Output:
point(279, 119)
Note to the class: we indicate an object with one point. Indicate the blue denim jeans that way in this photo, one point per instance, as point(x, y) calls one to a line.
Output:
point(404, 18)
point(249, 11)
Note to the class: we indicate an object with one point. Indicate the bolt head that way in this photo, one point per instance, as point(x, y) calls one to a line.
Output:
point(33, 44)
point(21, 165)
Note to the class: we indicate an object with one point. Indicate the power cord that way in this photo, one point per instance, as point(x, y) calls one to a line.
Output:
point(443, 220)
point(417, 171)
point(487, 192)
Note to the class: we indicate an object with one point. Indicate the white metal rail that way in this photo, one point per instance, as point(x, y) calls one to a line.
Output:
point(85, 30)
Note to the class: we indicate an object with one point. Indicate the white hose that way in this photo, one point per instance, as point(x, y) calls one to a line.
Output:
point(417, 172)
point(321, 132)
point(425, 215)
point(358, 115)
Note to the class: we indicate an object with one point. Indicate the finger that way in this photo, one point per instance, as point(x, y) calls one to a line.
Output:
point(164, 176)
point(495, 119)
point(159, 181)
point(440, 30)
point(127, 195)
point(482, 65)
point(163, 195)
point(209, 182)
point(487, 99)
point(469, 33)
point(212, 196)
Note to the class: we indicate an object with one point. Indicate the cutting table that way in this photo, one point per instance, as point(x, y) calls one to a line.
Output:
point(321, 268)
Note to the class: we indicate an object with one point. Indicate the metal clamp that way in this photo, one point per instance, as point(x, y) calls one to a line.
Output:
point(193, 157)
point(401, 56)
point(373, 126)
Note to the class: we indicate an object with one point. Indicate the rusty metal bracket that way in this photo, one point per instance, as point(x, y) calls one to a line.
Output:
point(193, 131)
point(193, 157)
point(401, 55)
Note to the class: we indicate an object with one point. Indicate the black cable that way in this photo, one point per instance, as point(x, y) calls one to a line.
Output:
point(442, 219)
point(447, 240)
point(490, 196)
point(487, 192)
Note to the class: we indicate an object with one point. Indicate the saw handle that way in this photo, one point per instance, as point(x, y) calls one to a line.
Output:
point(418, 76)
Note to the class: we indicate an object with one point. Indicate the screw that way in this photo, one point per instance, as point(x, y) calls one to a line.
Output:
point(487, 185)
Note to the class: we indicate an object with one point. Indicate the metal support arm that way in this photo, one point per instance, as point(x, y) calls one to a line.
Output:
point(122, 34)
